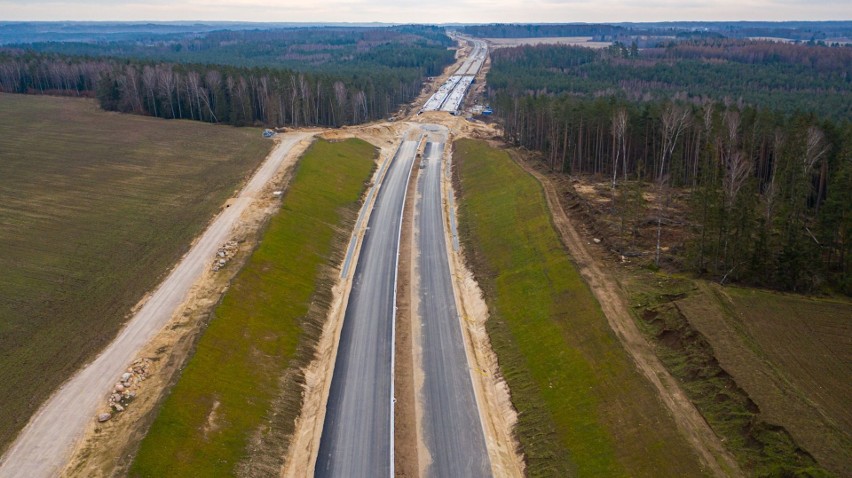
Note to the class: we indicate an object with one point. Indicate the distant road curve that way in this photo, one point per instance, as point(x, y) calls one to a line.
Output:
point(43, 447)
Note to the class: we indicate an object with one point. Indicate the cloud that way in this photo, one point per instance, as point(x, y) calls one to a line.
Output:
point(425, 11)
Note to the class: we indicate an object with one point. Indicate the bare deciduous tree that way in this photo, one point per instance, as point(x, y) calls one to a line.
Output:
point(675, 120)
point(619, 128)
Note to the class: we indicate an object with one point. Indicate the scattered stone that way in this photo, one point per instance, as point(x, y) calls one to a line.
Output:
point(597, 241)
point(104, 417)
point(136, 373)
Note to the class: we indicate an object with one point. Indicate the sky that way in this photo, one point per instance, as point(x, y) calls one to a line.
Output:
point(426, 11)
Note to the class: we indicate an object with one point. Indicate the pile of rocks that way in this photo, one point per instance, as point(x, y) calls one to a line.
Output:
point(224, 254)
point(122, 394)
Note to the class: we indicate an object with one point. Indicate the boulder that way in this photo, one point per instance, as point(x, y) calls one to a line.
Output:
point(119, 388)
point(104, 417)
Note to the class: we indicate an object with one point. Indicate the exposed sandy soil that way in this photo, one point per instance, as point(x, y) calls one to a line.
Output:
point(106, 448)
point(424, 458)
point(614, 304)
point(406, 367)
point(577, 41)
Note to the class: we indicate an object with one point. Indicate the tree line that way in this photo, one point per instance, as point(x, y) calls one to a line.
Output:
point(808, 31)
point(413, 50)
point(783, 77)
point(211, 93)
point(769, 191)
point(329, 76)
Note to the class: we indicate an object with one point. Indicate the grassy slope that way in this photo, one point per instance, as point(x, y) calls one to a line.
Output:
point(95, 208)
point(583, 408)
point(257, 327)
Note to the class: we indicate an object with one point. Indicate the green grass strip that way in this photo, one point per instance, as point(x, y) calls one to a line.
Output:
point(222, 400)
point(583, 409)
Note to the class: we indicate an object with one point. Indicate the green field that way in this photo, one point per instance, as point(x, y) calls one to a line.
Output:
point(583, 408)
point(239, 394)
point(96, 207)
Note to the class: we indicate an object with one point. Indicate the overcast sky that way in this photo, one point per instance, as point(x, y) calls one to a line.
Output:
point(426, 11)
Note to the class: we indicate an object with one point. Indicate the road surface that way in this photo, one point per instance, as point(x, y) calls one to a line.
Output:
point(43, 447)
point(357, 435)
point(475, 59)
point(456, 96)
point(450, 95)
point(451, 425)
point(436, 101)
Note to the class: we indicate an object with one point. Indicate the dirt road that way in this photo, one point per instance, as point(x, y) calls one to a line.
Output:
point(43, 447)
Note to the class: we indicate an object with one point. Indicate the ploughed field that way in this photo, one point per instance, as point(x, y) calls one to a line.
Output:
point(96, 207)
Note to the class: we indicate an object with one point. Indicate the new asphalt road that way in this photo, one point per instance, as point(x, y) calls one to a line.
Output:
point(453, 432)
point(357, 435)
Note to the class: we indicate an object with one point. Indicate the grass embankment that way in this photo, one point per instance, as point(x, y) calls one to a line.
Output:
point(239, 393)
point(95, 208)
point(583, 408)
point(765, 369)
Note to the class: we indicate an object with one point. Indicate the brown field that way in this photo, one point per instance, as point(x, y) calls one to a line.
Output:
point(807, 342)
point(96, 208)
point(770, 372)
point(575, 41)
point(810, 340)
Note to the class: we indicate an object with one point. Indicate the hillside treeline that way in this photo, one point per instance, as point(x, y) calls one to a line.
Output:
point(513, 30)
point(409, 50)
point(778, 76)
point(769, 192)
point(662, 31)
point(212, 93)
